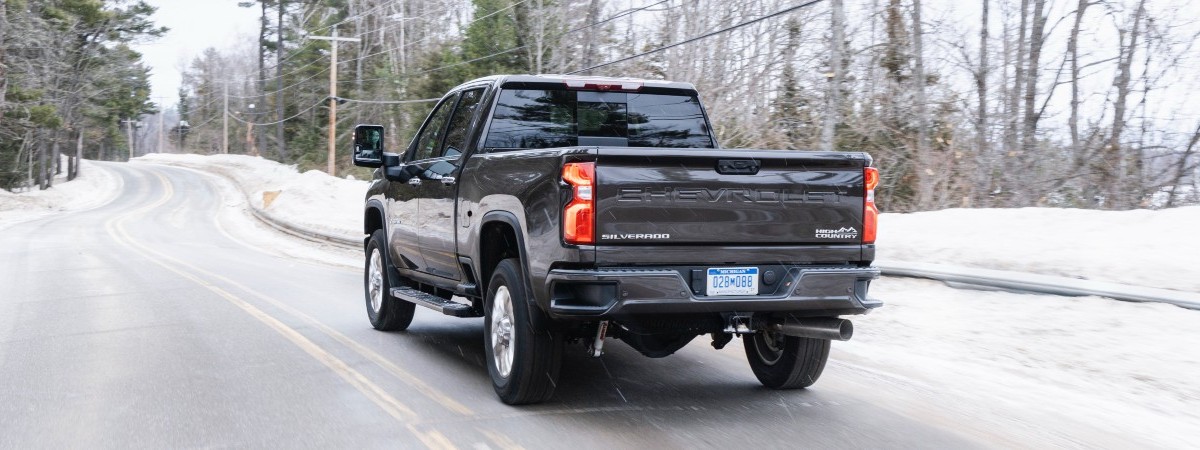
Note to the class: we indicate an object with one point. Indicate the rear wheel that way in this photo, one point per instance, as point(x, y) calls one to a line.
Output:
point(385, 312)
point(785, 362)
point(524, 356)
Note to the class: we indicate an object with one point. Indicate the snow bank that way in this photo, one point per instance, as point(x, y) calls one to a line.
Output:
point(94, 186)
point(1155, 248)
point(311, 199)
point(1129, 367)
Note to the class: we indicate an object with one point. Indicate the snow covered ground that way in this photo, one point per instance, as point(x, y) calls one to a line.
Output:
point(1127, 368)
point(94, 187)
point(311, 199)
point(1155, 248)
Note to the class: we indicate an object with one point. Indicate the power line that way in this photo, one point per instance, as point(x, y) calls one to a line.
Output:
point(387, 102)
point(697, 38)
point(301, 113)
point(264, 94)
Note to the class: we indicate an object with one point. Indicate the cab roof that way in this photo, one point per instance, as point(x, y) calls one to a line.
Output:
point(584, 80)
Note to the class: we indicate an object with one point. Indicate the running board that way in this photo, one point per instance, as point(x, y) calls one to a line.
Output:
point(447, 307)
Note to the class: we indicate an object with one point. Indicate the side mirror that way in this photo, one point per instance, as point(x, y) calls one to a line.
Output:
point(368, 146)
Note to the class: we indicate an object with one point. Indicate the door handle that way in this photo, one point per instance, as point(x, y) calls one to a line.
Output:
point(414, 181)
point(448, 181)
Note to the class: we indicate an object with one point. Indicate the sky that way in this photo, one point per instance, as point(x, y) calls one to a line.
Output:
point(194, 26)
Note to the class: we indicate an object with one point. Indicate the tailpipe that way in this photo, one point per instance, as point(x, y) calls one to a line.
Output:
point(818, 328)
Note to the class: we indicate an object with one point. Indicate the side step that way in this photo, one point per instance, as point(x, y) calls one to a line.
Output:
point(447, 307)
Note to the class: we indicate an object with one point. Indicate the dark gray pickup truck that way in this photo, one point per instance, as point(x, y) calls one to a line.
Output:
point(570, 210)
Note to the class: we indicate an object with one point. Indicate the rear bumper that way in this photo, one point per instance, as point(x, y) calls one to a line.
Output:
point(611, 293)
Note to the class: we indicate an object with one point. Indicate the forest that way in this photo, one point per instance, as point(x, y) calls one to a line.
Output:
point(980, 103)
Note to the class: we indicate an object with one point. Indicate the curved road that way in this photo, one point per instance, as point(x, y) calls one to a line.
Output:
point(147, 323)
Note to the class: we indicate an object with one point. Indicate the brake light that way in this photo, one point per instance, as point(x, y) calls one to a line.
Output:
point(621, 85)
point(870, 212)
point(579, 217)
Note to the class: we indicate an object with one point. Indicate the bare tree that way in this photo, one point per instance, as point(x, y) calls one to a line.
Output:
point(983, 156)
point(837, 45)
point(924, 153)
point(1114, 161)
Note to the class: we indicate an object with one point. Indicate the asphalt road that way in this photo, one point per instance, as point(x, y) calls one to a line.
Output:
point(146, 322)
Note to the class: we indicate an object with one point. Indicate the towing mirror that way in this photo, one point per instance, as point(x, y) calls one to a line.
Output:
point(368, 146)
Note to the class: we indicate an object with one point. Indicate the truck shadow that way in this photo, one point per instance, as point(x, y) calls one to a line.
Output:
point(696, 376)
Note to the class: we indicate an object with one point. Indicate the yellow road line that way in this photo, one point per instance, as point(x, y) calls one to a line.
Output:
point(394, 408)
point(408, 378)
point(502, 441)
point(432, 438)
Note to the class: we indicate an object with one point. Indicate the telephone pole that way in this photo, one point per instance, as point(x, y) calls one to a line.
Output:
point(333, 56)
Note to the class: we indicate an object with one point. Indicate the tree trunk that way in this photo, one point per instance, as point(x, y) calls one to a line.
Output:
point(1013, 108)
point(1183, 168)
point(1036, 39)
point(1116, 177)
point(279, 94)
point(925, 181)
point(55, 150)
point(981, 116)
point(3, 59)
point(1073, 54)
point(589, 36)
point(43, 172)
point(78, 159)
point(261, 107)
point(833, 98)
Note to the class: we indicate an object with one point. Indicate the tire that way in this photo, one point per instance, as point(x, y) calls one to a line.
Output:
point(523, 355)
point(385, 312)
point(786, 362)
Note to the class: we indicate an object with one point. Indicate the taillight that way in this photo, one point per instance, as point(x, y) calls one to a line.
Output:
point(579, 217)
point(870, 212)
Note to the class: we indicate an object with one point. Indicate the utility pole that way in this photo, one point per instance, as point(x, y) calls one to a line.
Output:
point(225, 122)
point(333, 56)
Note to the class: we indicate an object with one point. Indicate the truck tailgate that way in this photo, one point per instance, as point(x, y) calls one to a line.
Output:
point(664, 196)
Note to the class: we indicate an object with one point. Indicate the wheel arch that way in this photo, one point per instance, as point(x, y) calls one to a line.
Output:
point(373, 217)
point(500, 237)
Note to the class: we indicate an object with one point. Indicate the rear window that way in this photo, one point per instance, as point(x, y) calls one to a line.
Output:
point(543, 118)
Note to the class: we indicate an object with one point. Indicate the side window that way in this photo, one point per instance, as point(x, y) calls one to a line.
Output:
point(433, 136)
point(456, 136)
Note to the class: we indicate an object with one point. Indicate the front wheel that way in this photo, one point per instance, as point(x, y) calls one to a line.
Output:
point(385, 312)
point(524, 356)
point(786, 362)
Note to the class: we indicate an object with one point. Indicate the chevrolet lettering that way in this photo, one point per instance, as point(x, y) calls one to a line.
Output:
point(729, 195)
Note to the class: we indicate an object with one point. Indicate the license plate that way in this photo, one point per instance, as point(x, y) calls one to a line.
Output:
point(732, 281)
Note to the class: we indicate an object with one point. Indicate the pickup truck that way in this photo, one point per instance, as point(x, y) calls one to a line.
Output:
point(567, 210)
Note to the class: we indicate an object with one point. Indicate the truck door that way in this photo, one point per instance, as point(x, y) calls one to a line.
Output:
point(439, 190)
point(404, 207)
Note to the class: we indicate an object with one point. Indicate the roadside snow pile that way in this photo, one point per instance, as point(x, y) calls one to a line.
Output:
point(1126, 366)
point(312, 199)
point(94, 186)
point(1140, 247)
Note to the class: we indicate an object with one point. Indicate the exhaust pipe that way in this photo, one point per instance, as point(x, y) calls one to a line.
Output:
point(818, 328)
